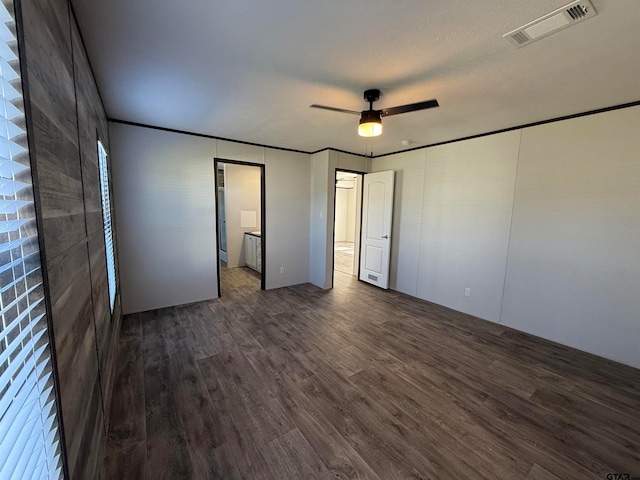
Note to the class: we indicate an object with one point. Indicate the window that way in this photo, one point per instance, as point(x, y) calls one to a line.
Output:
point(29, 437)
point(106, 218)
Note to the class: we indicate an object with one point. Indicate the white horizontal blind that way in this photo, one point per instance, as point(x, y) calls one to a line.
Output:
point(29, 441)
point(106, 218)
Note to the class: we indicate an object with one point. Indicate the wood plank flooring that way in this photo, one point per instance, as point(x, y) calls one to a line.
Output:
point(356, 382)
point(343, 257)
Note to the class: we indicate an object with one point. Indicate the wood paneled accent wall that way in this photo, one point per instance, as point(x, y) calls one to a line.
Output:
point(67, 118)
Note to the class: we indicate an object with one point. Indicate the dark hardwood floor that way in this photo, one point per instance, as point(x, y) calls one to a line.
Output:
point(356, 382)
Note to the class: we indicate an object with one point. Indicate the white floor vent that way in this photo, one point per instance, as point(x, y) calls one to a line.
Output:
point(572, 13)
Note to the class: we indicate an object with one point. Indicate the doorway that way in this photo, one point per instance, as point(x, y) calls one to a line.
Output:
point(347, 224)
point(240, 206)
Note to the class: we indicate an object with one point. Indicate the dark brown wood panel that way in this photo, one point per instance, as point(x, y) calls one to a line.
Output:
point(100, 291)
point(88, 463)
point(77, 358)
point(89, 129)
point(358, 382)
point(53, 107)
point(59, 184)
point(92, 125)
point(48, 48)
point(66, 118)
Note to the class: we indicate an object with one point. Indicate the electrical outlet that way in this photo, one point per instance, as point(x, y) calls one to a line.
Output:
point(467, 292)
point(281, 269)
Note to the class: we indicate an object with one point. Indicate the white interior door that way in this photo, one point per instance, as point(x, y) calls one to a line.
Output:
point(377, 216)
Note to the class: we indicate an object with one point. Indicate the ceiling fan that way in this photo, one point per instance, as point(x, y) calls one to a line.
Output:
point(371, 120)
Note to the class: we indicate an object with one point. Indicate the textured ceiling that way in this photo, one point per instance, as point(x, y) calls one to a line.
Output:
point(248, 70)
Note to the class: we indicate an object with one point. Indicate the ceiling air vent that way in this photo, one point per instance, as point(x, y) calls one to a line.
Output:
point(564, 17)
point(578, 12)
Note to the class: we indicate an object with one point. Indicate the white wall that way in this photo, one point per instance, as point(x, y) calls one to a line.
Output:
point(350, 220)
point(324, 165)
point(342, 206)
point(320, 227)
point(242, 193)
point(541, 223)
point(345, 213)
point(288, 175)
point(466, 216)
point(573, 273)
point(164, 207)
point(163, 190)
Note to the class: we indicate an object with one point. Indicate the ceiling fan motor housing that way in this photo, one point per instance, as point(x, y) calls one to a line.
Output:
point(369, 116)
point(372, 95)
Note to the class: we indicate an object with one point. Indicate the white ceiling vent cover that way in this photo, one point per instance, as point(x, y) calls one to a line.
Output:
point(564, 17)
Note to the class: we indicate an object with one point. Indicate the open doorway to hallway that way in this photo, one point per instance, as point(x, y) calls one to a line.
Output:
point(347, 222)
point(240, 209)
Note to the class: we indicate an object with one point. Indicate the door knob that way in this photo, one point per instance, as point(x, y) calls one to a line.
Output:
point(385, 236)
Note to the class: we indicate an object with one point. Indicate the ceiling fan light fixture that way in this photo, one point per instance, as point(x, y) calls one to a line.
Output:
point(370, 124)
point(371, 120)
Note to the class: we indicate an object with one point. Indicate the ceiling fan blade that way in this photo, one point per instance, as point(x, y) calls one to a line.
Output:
point(412, 107)
point(334, 109)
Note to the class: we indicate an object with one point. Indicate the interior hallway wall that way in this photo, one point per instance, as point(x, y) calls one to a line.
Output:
point(320, 228)
point(342, 211)
point(323, 171)
point(345, 219)
point(242, 193)
point(350, 220)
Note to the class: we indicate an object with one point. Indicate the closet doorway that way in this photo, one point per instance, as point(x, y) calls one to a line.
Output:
point(240, 207)
point(347, 223)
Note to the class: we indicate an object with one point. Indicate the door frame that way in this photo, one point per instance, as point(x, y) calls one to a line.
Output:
point(263, 215)
point(333, 223)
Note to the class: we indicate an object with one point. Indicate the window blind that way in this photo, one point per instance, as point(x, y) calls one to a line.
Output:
point(29, 440)
point(106, 218)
